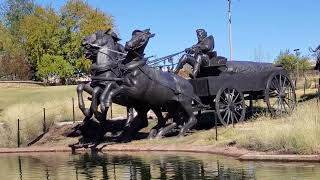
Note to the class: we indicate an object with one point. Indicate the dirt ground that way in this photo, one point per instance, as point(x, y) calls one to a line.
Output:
point(55, 141)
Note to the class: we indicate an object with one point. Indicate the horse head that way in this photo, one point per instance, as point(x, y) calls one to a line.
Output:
point(139, 41)
point(93, 43)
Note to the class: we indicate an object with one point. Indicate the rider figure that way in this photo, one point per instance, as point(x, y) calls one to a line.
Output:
point(118, 47)
point(199, 54)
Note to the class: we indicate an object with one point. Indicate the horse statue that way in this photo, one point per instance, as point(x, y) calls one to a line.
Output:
point(164, 90)
point(100, 49)
point(105, 70)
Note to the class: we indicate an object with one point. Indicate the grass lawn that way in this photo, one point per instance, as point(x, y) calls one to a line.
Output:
point(295, 134)
point(27, 103)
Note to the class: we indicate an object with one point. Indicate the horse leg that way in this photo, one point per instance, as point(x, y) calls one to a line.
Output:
point(103, 98)
point(130, 115)
point(116, 92)
point(138, 122)
point(166, 130)
point(80, 89)
point(161, 123)
point(95, 101)
point(192, 120)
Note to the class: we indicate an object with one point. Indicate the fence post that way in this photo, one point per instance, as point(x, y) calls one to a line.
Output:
point(73, 115)
point(44, 121)
point(215, 126)
point(18, 134)
point(304, 87)
point(111, 116)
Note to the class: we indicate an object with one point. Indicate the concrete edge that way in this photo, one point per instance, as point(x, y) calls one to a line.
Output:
point(242, 155)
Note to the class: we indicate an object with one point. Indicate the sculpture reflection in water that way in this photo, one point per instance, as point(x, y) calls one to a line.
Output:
point(126, 166)
point(150, 165)
point(164, 167)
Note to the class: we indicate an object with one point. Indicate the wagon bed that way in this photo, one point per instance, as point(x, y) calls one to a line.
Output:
point(226, 92)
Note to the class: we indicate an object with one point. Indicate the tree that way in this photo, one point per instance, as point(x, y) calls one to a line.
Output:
point(53, 66)
point(288, 60)
point(13, 11)
point(292, 62)
point(78, 20)
point(13, 61)
point(41, 33)
point(30, 32)
point(83, 65)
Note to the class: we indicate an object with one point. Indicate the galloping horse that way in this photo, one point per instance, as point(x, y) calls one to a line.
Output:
point(102, 66)
point(164, 90)
point(105, 70)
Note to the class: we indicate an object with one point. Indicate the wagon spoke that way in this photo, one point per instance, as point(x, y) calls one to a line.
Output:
point(232, 97)
point(236, 97)
point(275, 103)
point(232, 118)
point(238, 113)
point(237, 103)
point(225, 101)
point(280, 86)
point(228, 117)
point(235, 117)
point(225, 116)
point(286, 104)
point(275, 86)
point(224, 109)
point(223, 105)
point(285, 82)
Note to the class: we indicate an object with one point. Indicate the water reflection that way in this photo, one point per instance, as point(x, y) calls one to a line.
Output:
point(147, 165)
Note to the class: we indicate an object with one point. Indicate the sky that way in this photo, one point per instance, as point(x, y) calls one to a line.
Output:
point(260, 28)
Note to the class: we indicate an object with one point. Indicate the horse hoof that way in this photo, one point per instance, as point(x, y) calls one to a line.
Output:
point(152, 134)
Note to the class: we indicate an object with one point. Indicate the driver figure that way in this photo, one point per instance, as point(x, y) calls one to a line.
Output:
point(119, 47)
point(199, 54)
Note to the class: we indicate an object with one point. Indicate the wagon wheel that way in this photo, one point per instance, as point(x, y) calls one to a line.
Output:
point(230, 106)
point(280, 95)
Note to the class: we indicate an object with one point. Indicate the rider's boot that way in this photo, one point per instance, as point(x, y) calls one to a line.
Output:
point(196, 69)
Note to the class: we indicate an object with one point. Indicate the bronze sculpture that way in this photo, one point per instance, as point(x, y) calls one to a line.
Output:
point(131, 83)
point(162, 90)
point(199, 54)
point(317, 51)
point(122, 75)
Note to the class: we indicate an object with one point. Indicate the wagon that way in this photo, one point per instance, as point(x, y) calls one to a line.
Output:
point(225, 88)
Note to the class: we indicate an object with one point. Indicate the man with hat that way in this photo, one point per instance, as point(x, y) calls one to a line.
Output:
point(119, 47)
point(199, 54)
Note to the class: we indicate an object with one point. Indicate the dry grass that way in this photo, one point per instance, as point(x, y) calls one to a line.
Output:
point(27, 103)
point(295, 134)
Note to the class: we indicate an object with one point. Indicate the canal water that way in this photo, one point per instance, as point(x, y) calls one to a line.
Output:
point(147, 165)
